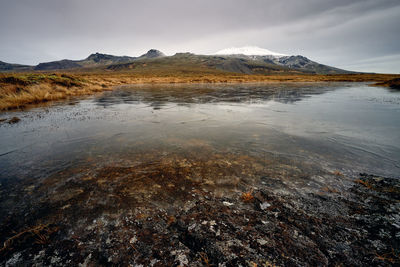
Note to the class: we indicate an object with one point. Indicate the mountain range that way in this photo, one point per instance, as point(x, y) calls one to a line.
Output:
point(245, 60)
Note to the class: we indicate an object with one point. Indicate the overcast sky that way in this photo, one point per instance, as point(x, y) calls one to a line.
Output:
point(361, 35)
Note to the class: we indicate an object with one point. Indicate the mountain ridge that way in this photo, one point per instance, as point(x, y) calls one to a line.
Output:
point(265, 62)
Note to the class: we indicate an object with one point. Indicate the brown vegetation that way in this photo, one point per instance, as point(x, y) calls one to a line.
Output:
point(364, 183)
point(21, 89)
point(393, 83)
point(247, 196)
point(39, 234)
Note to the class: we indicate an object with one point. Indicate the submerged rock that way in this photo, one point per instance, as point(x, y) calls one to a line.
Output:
point(117, 216)
point(14, 120)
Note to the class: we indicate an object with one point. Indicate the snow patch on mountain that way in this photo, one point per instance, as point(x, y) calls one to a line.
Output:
point(248, 51)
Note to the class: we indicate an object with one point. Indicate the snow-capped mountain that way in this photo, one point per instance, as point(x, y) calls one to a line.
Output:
point(249, 51)
point(255, 59)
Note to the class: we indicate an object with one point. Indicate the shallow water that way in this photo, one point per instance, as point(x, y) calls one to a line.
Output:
point(315, 127)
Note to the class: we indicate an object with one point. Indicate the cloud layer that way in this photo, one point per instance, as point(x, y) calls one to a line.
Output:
point(352, 34)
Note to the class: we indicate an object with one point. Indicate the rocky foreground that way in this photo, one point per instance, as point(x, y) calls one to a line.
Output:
point(174, 217)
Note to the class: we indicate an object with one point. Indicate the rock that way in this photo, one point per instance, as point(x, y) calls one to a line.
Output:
point(262, 242)
point(264, 205)
point(228, 204)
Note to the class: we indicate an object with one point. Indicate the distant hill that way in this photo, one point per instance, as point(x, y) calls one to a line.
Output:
point(58, 65)
point(13, 67)
point(95, 60)
point(246, 60)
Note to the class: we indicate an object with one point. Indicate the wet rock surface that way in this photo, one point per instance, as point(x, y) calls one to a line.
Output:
point(181, 212)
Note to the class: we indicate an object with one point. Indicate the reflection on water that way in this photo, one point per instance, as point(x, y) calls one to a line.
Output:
point(159, 96)
point(279, 127)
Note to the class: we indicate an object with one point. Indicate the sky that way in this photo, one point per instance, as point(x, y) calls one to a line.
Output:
point(359, 35)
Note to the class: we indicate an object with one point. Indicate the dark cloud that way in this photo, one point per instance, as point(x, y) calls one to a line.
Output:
point(352, 34)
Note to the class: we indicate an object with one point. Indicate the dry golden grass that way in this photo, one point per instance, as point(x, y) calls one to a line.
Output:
point(114, 78)
point(18, 90)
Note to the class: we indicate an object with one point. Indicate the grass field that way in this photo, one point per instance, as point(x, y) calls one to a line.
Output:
point(19, 90)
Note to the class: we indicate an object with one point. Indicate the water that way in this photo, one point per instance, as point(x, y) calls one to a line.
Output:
point(311, 127)
point(148, 174)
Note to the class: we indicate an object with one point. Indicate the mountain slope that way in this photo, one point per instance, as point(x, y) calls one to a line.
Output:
point(307, 65)
point(297, 63)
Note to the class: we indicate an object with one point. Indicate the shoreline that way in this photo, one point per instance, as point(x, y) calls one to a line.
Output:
point(21, 90)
